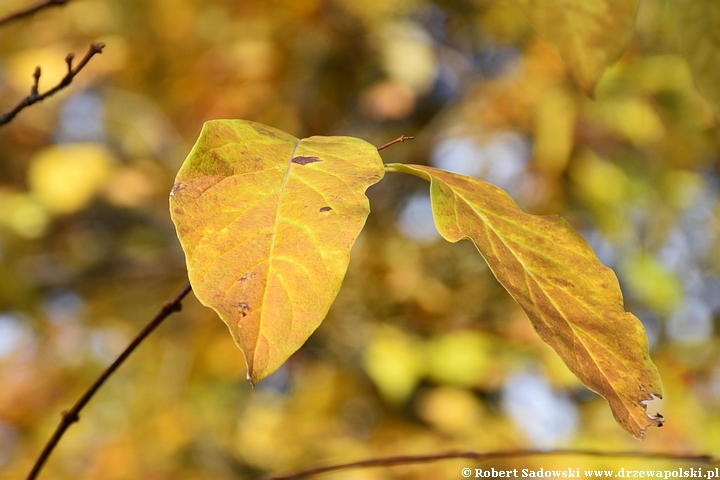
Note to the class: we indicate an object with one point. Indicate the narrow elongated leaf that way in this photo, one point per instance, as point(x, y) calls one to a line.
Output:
point(573, 301)
point(267, 222)
point(590, 34)
point(698, 24)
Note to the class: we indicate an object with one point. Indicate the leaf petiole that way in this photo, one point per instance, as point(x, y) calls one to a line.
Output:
point(400, 139)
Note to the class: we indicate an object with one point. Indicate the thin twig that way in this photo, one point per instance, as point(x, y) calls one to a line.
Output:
point(415, 459)
point(35, 96)
point(400, 139)
point(26, 12)
point(73, 415)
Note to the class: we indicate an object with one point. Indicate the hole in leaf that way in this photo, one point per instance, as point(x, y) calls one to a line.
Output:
point(654, 403)
point(244, 308)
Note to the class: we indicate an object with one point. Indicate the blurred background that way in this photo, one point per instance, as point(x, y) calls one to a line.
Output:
point(423, 351)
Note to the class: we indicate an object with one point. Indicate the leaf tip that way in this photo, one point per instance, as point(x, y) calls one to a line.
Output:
point(252, 378)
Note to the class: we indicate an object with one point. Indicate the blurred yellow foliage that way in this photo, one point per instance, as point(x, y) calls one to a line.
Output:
point(599, 180)
point(395, 362)
point(648, 280)
point(631, 117)
point(462, 358)
point(51, 60)
point(634, 170)
point(408, 55)
point(502, 22)
point(554, 128)
point(23, 214)
point(697, 24)
point(590, 34)
point(680, 187)
point(388, 100)
point(257, 440)
point(128, 187)
point(65, 178)
point(656, 73)
point(451, 410)
point(254, 59)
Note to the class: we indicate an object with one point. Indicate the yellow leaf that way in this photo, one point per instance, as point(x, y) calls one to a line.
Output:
point(590, 34)
point(698, 22)
point(267, 222)
point(573, 301)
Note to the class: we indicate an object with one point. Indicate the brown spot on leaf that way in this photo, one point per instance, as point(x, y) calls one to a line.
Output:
point(244, 308)
point(264, 130)
point(245, 277)
point(300, 160)
point(325, 209)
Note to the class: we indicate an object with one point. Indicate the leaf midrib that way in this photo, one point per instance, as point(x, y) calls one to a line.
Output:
point(530, 274)
point(273, 239)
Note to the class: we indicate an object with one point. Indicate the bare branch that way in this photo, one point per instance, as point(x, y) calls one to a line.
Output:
point(26, 12)
point(35, 96)
point(73, 415)
point(478, 456)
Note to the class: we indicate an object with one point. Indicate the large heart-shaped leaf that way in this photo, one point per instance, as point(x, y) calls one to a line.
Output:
point(573, 301)
point(590, 34)
point(267, 222)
